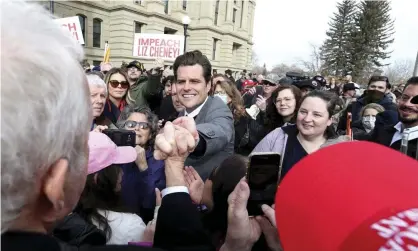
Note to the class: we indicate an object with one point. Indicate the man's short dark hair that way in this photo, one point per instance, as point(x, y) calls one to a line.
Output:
point(194, 58)
point(411, 81)
point(379, 78)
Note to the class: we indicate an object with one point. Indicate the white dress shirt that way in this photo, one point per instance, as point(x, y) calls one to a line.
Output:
point(196, 111)
point(398, 134)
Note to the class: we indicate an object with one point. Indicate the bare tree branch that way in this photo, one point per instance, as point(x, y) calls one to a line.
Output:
point(399, 71)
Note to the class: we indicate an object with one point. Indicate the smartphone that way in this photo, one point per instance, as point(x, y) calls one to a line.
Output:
point(121, 137)
point(263, 179)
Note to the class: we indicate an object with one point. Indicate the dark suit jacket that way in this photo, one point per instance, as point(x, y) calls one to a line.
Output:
point(383, 135)
point(215, 125)
point(179, 228)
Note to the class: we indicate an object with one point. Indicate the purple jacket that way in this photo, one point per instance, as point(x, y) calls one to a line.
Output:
point(138, 188)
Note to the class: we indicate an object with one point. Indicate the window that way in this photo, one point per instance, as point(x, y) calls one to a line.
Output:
point(169, 31)
point(97, 32)
point(165, 6)
point(184, 4)
point(138, 27)
point(235, 48)
point(242, 13)
point(83, 26)
point(96, 62)
point(215, 45)
point(216, 12)
point(234, 15)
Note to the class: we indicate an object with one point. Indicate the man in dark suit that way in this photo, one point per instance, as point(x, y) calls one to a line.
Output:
point(391, 135)
point(192, 73)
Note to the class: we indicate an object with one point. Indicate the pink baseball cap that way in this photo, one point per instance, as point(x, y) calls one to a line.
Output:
point(351, 196)
point(103, 152)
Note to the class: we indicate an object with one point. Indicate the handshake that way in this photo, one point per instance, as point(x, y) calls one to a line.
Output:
point(176, 140)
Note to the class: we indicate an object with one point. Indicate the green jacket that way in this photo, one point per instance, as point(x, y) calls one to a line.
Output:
point(146, 87)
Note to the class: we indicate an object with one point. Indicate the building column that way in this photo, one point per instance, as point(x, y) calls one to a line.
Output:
point(245, 15)
point(207, 13)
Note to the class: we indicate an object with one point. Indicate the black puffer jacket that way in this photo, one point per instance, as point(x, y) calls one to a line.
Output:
point(74, 233)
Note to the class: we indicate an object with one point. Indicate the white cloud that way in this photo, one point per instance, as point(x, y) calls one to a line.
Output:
point(284, 29)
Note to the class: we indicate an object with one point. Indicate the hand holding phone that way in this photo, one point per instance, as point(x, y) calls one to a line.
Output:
point(263, 178)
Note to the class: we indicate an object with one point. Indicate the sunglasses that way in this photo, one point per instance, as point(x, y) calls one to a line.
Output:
point(115, 83)
point(268, 83)
point(132, 124)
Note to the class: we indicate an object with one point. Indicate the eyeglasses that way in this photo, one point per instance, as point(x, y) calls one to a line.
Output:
point(268, 83)
point(285, 100)
point(115, 83)
point(132, 124)
point(133, 69)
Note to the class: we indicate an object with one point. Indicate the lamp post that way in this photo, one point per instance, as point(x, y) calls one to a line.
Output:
point(186, 21)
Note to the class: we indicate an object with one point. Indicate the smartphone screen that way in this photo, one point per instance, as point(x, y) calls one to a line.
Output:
point(262, 177)
point(121, 137)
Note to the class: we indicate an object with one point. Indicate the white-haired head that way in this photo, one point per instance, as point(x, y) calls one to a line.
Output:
point(46, 114)
point(95, 81)
point(98, 94)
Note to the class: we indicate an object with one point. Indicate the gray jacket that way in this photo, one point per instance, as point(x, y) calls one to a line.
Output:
point(215, 125)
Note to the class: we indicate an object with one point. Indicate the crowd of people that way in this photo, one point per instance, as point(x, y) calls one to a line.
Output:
point(65, 185)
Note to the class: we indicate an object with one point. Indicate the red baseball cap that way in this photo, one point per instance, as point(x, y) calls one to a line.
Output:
point(364, 200)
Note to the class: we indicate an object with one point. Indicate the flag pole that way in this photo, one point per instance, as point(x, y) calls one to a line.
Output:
point(106, 55)
point(416, 67)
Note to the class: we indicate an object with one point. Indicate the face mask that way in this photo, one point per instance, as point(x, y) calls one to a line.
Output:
point(368, 122)
point(374, 96)
point(224, 97)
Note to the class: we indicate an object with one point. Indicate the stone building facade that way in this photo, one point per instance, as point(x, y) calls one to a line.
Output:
point(221, 29)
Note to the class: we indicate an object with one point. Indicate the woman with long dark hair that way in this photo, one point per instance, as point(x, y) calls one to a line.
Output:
point(118, 86)
point(229, 94)
point(101, 203)
point(282, 107)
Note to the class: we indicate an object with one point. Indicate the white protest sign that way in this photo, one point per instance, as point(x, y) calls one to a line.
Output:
point(151, 46)
point(72, 25)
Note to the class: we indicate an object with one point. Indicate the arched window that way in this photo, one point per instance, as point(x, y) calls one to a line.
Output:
point(97, 32)
point(83, 21)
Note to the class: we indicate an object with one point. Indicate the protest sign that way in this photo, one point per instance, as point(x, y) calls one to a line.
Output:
point(151, 46)
point(72, 25)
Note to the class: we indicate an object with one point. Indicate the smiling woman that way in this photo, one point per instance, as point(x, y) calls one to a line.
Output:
point(312, 130)
point(145, 170)
point(283, 106)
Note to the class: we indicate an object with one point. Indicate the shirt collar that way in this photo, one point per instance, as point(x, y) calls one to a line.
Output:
point(196, 111)
point(399, 127)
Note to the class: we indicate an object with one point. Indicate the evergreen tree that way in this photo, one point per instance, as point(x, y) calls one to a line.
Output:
point(371, 37)
point(336, 48)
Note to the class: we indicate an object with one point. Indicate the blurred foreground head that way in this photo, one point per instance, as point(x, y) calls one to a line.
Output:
point(328, 202)
point(46, 117)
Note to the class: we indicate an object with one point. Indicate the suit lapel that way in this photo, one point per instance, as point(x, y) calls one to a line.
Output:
point(388, 135)
point(205, 109)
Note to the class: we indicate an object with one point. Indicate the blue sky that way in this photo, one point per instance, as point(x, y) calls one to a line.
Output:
point(284, 29)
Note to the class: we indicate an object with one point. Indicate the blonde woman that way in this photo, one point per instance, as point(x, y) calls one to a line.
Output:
point(365, 125)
